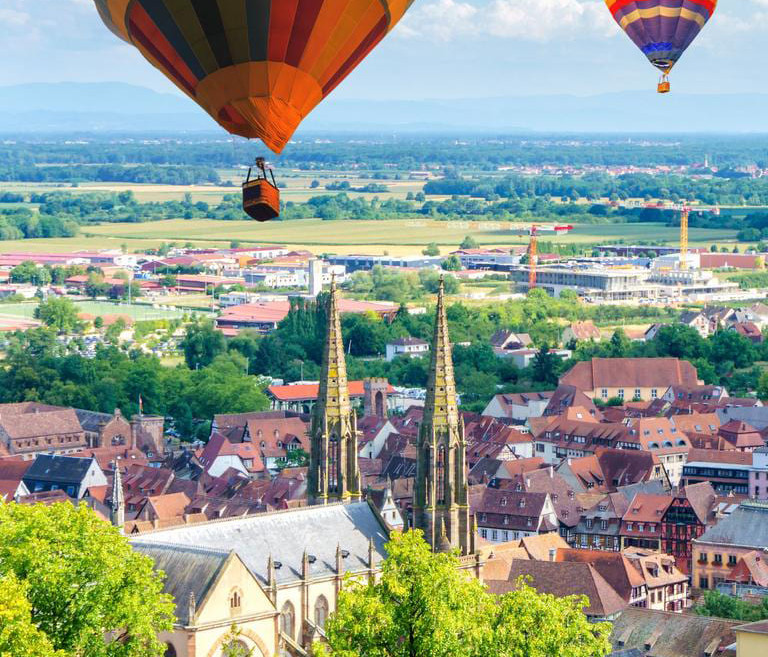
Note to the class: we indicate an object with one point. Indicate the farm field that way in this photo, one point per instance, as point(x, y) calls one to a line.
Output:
point(295, 187)
point(137, 311)
point(344, 237)
point(395, 237)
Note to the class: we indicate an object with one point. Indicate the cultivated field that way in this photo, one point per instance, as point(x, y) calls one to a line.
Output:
point(395, 237)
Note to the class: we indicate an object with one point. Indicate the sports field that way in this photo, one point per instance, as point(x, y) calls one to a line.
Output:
point(97, 308)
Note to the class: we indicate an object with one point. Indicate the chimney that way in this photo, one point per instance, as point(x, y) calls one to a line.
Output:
point(552, 554)
point(551, 471)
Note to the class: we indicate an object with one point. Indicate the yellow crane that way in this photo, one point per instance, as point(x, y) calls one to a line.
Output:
point(684, 214)
point(533, 256)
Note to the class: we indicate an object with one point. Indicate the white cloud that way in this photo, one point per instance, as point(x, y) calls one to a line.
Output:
point(11, 18)
point(528, 20)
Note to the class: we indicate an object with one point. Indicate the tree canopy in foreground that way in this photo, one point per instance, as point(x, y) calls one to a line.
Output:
point(424, 606)
point(70, 582)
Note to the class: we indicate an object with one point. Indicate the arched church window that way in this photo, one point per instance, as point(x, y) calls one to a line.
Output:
point(170, 651)
point(235, 600)
point(440, 466)
point(321, 611)
point(288, 619)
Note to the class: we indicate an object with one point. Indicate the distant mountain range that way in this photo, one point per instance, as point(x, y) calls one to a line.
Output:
point(118, 107)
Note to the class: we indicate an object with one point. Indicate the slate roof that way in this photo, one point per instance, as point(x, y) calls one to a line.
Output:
point(92, 421)
point(672, 635)
point(58, 469)
point(285, 535)
point(187, 569)
point(747, 526)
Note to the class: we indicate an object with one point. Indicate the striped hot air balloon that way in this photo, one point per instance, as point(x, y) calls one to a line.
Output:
point(258, 67)
point(662, 29)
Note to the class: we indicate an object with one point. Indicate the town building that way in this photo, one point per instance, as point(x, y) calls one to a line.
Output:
point(758, 474)
point(580, 331)
point(718, 550)
point(73, 475)
point(302, 397)
point(629, 378)
point(727, 471)
point(642, 523)
point(518, 407)
point(28, 428)
point(752, 639)
point(687, 517)
point(407, 347)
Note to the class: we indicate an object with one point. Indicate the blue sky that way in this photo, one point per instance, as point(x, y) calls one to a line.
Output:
point(442, 49)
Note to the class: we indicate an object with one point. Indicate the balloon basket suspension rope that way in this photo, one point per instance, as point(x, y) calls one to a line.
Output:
point(664, 86)
point(261, 197)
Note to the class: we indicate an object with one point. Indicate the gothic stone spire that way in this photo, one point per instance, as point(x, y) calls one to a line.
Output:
point(333, 469)
point(117, 504)
point(440, 503)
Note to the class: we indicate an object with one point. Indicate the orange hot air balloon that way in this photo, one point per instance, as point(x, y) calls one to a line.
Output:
point(258, 67)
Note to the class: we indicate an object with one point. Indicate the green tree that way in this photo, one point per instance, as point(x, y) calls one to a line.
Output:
point(90, 592)
point(721, 605)
point(424, 606)
point(545, 366)
point(432, 249)
point(18, 634)
point(202, 344)
point(98, 322)
point(469, 242)
point(58, 313)
point(452, 263)
point(620, 344)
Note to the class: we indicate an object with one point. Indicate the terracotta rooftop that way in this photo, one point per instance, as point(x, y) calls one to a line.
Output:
point(630, 373)
point(309, 391)
point(563, 579)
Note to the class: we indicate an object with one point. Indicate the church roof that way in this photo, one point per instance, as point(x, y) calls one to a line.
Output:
point(188, 569)
point(285, 535)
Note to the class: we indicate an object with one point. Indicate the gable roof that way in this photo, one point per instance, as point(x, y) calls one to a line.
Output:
point(671, 634)
point(613, 566)
point(45, 422)
point(585, 330)
point(285, 535)
point(59, 469)
point(747, 526)
point(630, 373)
point(562, 579)
point(188, 570)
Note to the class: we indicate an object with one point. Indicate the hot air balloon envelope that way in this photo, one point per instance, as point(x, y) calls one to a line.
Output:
point(258, 67)
point(662, 29)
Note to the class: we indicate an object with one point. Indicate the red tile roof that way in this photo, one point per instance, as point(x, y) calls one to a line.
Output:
point(630, 373)
point(309, 391)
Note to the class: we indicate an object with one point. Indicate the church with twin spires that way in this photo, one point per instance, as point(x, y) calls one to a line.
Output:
point(440, 503)
point(277, 575)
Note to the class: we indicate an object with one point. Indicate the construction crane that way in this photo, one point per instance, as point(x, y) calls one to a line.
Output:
point(533, 247)
point(533, 256)
point(684, 214)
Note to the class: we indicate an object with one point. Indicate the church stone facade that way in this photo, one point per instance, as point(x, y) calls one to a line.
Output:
point(277, 576)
